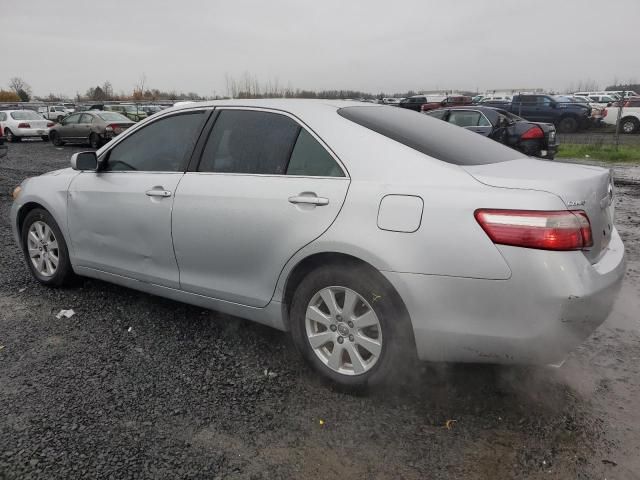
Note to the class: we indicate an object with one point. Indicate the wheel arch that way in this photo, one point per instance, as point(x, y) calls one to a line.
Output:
point(315, 260)
point(31, 205)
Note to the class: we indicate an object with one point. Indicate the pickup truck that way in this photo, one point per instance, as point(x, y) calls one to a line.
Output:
point(450, 101)
point(567, 116)
point(54, 112)
point(629, 120)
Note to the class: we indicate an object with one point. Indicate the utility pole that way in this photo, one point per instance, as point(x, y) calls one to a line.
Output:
point(620, 104)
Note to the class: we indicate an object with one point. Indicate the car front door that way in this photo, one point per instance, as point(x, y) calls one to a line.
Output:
point(68, 127)
point(471, 120)
point(265, 187)
point(120, 217)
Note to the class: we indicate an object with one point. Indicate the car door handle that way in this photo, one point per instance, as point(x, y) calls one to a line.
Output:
point(158, 193)
point(312, 200)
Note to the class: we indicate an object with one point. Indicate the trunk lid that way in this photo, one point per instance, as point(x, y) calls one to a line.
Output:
point(581, 187)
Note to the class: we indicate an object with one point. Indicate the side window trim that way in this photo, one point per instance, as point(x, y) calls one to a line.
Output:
point(196, 158)
point(104, 156)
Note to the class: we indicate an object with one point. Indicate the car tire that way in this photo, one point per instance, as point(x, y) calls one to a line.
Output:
point(55, 139)
point(94, 141)
point(629, 125)
point(379, 347)
point(567, 125)
point(45, 138)
point(11, 137)
point(42, 244)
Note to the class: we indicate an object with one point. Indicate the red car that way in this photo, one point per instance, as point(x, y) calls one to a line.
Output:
point(451, 101)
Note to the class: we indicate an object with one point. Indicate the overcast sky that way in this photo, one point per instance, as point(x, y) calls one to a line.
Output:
point(66, 46)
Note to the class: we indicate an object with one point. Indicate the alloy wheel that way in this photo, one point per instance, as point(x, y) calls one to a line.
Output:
point(343, 330)
point(43, 248)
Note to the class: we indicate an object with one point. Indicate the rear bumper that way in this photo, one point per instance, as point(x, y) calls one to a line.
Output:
point(550, 305)
point(30, 132)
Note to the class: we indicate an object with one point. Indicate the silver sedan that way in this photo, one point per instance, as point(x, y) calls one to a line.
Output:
point(372, 234)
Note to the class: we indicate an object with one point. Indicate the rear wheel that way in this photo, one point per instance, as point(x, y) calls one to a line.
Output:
point(55, 139)
point(10, 136)
point(629, 125)
point(45, 250)
point(567, 125)
point(346, 324)
point(94, 141)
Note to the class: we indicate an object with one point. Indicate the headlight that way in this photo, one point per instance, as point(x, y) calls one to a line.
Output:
point(16, 192)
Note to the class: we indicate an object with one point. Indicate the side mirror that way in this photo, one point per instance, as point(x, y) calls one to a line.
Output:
point(84, 161)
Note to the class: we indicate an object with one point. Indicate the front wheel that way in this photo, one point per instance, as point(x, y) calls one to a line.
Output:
point(629, 125)
point(45, 250)
point(346, 324)
point(567, 125)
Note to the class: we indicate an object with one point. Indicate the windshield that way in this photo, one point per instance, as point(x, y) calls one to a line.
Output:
point(113, 117)
point(430, 136)
point(25, 115)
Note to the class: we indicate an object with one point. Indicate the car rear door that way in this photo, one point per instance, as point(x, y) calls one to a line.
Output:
point(120, 217)
point(84, 126)
point(264, 188)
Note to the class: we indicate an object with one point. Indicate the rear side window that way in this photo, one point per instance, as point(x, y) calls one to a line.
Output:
point(309, 158)
point(466, 118)
point(162, 146)
point(432, 137)
point(247, 141)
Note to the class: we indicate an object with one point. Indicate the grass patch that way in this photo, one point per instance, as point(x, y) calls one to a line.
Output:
point(607, 153)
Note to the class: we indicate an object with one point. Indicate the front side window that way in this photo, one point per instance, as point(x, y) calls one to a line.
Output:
point(465, 118)
point(162, 146)
point(439, 114)
point(246, 141)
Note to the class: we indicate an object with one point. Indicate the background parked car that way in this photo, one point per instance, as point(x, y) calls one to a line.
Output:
point(3, 147)
point(54, 112)
point(129, 110)
point(450, 101)
point(415, 102)
point(598, 111)
point(150, 109)
point(94, 127)
point(567, 116)
point(19, 124)
point(629, 121)
point(531, 138)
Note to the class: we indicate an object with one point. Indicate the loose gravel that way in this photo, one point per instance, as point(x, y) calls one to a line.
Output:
point(136, 386)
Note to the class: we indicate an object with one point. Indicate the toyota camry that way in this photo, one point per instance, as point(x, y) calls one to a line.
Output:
point(373, 234)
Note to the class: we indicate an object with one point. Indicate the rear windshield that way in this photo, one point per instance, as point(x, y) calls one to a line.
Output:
point(113, 117)
point(25, 115)
point(438, 139)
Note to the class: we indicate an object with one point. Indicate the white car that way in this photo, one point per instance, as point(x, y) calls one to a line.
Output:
point(19, 124)
point(391, 101)
point(54, 112)
point(629, 120)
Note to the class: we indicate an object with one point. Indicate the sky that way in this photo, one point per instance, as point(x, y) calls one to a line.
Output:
point(67, 46)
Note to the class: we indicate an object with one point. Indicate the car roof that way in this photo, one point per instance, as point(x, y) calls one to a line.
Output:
point(296, 106)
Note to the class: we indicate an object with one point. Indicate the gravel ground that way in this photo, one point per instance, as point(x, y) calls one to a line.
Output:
point(135, 386)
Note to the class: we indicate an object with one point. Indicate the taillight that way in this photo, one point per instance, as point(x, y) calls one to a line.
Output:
point(533, 133)
point(24, 125)
point(545, 230)
point(50, 124)
point(604, 112)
